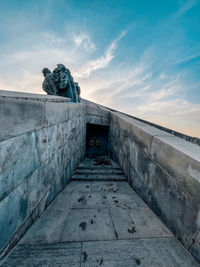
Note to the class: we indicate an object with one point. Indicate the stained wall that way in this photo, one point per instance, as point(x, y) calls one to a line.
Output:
point(165, 172)
point(42, 140)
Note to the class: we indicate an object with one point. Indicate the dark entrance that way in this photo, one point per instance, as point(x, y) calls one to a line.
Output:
point(96, 140)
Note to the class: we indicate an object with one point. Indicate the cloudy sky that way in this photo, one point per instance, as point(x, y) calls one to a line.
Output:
point(141, 57)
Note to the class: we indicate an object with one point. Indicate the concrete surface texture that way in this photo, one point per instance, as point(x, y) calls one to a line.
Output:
point(38, 136)
point(164, 170)
point(98, 223)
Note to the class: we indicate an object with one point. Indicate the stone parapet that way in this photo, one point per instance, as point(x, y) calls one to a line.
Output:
point(164, 170)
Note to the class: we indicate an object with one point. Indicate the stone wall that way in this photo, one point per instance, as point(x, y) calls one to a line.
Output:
point(164, 170)
point(97, 114)
point(42, 140)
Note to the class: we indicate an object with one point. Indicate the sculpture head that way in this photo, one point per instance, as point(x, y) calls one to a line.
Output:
point(45, 71)
point(61, 67)
point(56, 70)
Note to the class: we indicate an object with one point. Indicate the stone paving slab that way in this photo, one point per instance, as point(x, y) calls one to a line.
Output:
point(126, 201)
point(48, 228)
point(106, 198)
point(113, 187)
point(88, 224)
point(156, 252)
point(77, 187)
point(139, 222)
point(90, 200)
point(62, 255)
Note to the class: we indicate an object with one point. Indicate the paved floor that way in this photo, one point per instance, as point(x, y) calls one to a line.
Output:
point(98, 222)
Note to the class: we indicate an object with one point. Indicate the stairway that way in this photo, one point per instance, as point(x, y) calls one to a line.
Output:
point(98, 220)
point(98, 169)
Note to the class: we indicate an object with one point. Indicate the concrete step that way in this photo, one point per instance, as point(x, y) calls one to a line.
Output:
point(98, 177)
point(96, 172)
point(98, 168)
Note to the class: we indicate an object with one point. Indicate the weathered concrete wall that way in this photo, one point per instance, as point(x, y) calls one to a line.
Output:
point(164, 170)
point(42, 140)
point(97, 114)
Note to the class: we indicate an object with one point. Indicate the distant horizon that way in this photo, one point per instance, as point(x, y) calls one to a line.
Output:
point(139, 57)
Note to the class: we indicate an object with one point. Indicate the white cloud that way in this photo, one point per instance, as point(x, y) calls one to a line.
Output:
point(185, 6)
point(84, 40)
point(188, 58)
point(100, 62)
point(162, 76)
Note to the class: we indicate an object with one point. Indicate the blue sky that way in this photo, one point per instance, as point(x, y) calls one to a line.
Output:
point(140, 57)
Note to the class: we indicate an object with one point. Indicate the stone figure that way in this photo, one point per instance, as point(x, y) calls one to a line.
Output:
point(49, 83)
point(60, 82)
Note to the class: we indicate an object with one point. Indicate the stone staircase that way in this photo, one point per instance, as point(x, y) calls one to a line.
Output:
point(98, 169)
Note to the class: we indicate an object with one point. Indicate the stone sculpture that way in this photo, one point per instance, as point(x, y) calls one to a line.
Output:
point(60, 82)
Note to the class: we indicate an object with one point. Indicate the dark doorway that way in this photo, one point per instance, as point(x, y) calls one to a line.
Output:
point(96, 140)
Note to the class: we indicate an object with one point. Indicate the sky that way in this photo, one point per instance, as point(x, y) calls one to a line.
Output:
point(141, 57)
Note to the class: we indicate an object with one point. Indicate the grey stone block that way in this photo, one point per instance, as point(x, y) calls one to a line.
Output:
point(95, 109)
point(174, 210)
point(137, 222)
point(13, 211)
point(99, 120)
point(49, 227)
point(133, 132)
point(62, 255)
point(31, 194)
point(180, 159)
point(19, 158)
point(138, 184)
point(89, 200)
point(97, 114)
point(73, 110)
point(49, 141)
point(139, 252)
point(88, 224)
point(56, 112)
point(19, 116)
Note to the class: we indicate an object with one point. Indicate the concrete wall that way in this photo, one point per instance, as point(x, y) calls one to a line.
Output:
point(164, 170)
point(97, 114)
point(42, 140)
